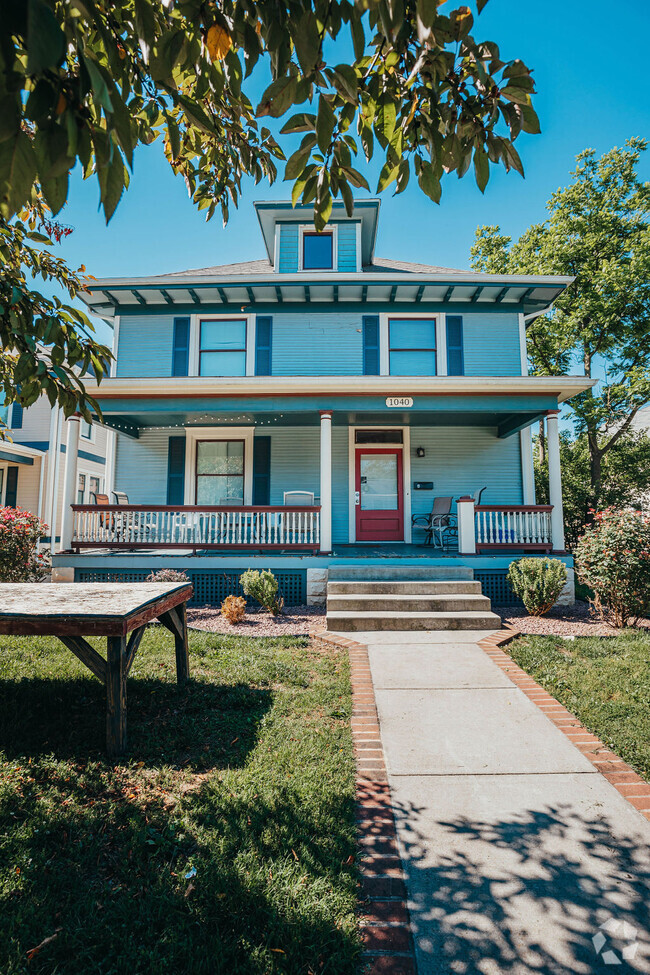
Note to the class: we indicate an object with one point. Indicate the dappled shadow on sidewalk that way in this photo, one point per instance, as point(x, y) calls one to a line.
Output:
point(526, 893)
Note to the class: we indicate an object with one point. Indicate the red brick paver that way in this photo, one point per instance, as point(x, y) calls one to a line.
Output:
point(617, 772)
point(383, 915)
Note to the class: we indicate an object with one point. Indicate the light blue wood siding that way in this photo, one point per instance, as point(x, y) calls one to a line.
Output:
point(490, 342)
point(311, 343)
point(288, 259)
point(145, 345)
point(141, 466)
point(460, 460)
point(347, 246)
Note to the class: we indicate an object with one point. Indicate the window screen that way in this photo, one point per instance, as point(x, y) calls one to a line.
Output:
point(412, 346)
point(222, 349)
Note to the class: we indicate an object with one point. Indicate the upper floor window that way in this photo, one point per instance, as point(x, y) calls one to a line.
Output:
point(85, 430)
point(317, 251)
point(222, 347)
point(412, 346)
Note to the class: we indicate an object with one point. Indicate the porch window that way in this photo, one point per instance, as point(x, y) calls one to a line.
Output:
point(222, 348)
point(220, 472)
point(378, 436)
point(412, 346)
point(81, 489)
point(317, 251)
point(85, 430)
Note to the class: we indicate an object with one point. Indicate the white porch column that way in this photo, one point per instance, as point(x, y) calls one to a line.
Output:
point(325, 481)
point(69, 480)
point(527, 470)
point(555, 480)
point(109, 479)
point(466, 526)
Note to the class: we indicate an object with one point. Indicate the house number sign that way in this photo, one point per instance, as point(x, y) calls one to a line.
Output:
point(401, 402)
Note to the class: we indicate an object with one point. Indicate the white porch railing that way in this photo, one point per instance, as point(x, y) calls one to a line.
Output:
point(516, 526)
point(163, 526)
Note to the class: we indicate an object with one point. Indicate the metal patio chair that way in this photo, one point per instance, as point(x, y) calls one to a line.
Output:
point(120, 497)
point(437, 524)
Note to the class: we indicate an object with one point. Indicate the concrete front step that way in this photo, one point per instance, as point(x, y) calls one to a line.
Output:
point(408, 587)
point(360, 621)
point(404, 603)
point(393, 573)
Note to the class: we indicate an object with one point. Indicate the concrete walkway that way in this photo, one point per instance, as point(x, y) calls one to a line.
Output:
point(516, 849)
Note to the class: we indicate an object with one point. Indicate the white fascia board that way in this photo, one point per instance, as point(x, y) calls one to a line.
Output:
point(21, 449)
point(564, 387)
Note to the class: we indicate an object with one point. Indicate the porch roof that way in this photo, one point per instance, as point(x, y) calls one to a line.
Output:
point(507, 403)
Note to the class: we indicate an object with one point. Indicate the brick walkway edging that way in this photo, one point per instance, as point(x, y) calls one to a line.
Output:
point(383, 912)
point(617, 772)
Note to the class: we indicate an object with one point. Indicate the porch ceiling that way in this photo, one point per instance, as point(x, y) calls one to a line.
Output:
point(505, 421)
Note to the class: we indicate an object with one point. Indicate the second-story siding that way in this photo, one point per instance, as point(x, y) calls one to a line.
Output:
point(145, 345)
point(317, 344)
point(491, 343)
point(288, 258)
point(347, 246)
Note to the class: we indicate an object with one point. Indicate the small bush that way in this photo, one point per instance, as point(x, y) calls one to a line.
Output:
point(234, 609)
point(263, 586)
point(168, 575)
point(613, 559)
point(538, 583)
point(20, 531)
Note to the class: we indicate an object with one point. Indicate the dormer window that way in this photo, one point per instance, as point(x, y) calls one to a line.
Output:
point(317, 251)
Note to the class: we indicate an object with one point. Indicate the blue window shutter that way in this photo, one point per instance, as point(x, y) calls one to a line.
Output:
point(262, 470)
point(263, 343)
point(455, 361)
point(16, 416)
point(181, 347)
point(11, 492)
point(371, 345)
point(176, 471)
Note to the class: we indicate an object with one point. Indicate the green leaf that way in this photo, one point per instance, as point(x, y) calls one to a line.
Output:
point(429, 182)
point(99, 86)
point(17, 173)
point(387, 175)
point(358, 37)
point(278, 97)
point(296, 163)
point(195, 114)
point(481, 168)
point(46, 41)
point(325, 122)
point(55, 190)
point(9, 116)
point(112, 179)
point(348, 198)
point(355, 177)
point(306, 39)
point(426, 11)
point(530, 121)
point(480, 4)
point(384, 124)
point(344, 78)
point(302, 122)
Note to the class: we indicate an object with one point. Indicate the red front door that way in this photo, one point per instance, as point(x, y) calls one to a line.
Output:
point(379, 503)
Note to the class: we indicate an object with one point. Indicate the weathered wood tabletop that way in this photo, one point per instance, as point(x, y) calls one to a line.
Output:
point(114, 610)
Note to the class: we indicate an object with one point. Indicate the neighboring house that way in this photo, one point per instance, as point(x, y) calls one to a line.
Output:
point(32, 468)
point(295, 412)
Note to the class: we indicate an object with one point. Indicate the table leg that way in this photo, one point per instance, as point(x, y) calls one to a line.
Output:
point(116, 696)
point(176, 622)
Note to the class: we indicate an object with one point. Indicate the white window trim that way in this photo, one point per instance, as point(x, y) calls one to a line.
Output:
point(195, 342)
point(406, 475)
point(441, 339)
point(308, 228)
point(3, 486)
point(115, 347)
point(193, 434)
point(88, 474)
point(358, 253)
point(93, 433)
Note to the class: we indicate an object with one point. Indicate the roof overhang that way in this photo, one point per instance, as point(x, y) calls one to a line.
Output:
point(14, 453)
point(365, 211)
point(187, 293)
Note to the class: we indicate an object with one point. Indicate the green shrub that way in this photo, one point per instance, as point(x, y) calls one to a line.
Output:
point(538, 583)
point(613, 559)
point(20, 531)
point(263, 586)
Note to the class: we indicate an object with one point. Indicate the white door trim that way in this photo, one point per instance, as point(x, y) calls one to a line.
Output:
point(406, 475)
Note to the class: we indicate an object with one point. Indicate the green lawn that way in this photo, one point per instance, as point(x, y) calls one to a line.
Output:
point(223, 843)
point(604, 681)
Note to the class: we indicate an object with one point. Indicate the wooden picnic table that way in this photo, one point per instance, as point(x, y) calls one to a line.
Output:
point(119, 611)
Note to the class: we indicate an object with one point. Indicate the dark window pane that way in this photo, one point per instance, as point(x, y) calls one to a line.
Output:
point(378, 436)
point(317, 252)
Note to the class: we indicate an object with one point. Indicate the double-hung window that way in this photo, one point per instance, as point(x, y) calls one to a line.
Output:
point(222, 347)
point(220, 472)
point(412, 346)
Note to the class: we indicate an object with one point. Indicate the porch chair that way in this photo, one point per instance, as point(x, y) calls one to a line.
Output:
point(306, 498)
point(120, 497)
point(437, 523)
point(101, 499)
point(478, 494)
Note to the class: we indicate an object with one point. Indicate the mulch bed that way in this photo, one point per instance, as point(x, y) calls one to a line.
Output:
point(574, 620)
point(295, 621)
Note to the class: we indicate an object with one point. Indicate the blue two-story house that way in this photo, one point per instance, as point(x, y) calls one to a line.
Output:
point(312, 409)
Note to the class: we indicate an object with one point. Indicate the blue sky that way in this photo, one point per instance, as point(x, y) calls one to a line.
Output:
point(590, 67)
